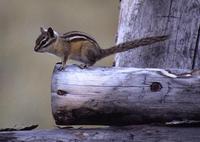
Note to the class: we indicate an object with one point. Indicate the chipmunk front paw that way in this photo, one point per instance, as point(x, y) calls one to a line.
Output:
point(61, 68)
point(83, 66)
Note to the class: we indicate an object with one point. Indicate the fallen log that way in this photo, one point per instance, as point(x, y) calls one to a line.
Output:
point(138, 133)
point(123, 96)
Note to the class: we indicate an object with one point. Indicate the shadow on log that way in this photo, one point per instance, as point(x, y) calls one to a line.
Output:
point(123, 96)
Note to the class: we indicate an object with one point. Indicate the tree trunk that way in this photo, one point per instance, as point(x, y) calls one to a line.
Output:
point(178, 18)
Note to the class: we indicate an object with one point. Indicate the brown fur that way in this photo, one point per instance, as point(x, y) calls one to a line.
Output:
point(81, 47)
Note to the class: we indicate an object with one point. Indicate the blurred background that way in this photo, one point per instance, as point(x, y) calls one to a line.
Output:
point(25, 76)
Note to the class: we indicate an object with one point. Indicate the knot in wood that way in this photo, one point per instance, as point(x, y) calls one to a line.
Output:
point(156, 86)
point(61, 92)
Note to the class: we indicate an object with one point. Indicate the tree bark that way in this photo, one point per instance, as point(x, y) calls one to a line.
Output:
point(178, 18)
point(130, 134)
point(123, 96)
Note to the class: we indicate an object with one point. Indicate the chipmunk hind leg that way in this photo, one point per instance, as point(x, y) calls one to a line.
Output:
point(89, 57)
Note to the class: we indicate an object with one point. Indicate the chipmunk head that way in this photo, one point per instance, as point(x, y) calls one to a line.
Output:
point(45, 39)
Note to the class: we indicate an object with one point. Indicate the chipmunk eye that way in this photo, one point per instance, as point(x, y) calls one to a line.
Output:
point(39, 39)
point(44, 40)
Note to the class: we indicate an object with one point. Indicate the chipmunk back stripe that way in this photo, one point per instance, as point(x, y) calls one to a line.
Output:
point(74, 35)
point(77, 37)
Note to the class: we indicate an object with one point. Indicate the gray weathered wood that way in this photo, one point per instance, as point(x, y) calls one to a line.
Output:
point(131, 134)
point(178, 18)
point(123, 96)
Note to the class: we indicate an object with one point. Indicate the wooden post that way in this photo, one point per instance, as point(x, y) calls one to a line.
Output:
point(178, 18)
point(123, 96)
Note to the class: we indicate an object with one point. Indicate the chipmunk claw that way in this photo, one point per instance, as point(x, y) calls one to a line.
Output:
point(83, 66)
point(61, 68)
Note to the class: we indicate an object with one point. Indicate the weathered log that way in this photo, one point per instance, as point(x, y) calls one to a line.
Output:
point(178, 18)
point(123, 96)
point(131, 134)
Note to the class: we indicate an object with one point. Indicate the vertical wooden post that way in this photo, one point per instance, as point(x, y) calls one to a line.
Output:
point(178, 18)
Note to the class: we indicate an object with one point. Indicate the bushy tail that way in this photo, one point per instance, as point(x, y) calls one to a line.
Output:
point(132, 44)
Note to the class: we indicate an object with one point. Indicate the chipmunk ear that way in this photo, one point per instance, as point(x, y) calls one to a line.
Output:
point(42, 30)
point(50, 32)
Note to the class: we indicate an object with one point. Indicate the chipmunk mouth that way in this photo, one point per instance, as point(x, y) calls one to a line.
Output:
point(37, 49)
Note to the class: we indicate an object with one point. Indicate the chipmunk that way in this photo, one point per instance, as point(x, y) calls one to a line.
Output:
point(82, 47)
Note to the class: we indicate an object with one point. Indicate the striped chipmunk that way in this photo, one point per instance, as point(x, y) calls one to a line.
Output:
point(82, 47)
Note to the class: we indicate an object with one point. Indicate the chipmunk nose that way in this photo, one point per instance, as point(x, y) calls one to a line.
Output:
point(36, 49)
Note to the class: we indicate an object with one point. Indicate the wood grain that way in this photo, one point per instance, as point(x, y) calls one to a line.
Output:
point(123, 96)
point(178, 18)
point(140, 133)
